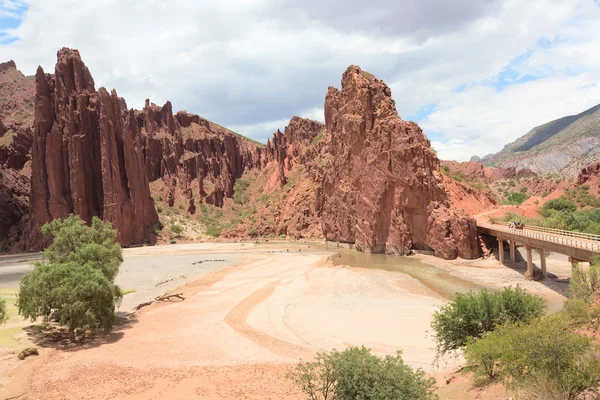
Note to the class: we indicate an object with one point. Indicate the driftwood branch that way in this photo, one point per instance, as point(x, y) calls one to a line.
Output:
point(170, 296)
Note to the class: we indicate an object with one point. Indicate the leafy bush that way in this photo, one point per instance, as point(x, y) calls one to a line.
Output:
point(159, 209)
point(356, 373)
point(213, 231)
point(472, 314)
point(176, 230)
point(584, 281)
point(239, 195)
point(74, 281)
point(560, 204)
point(544, 350)
point(252, 232)
point(516, 198)
point(173, 241)
point(3, 313)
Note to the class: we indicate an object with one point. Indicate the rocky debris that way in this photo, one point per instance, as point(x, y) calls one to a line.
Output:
point(197, 159)
point(383, 190)
point(86, 157)
point(30, 351)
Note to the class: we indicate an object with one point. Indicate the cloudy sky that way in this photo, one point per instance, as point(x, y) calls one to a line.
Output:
point(474, 74)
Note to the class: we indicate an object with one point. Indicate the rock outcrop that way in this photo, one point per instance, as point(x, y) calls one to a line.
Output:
point(382, 189)
point(476, 172)
point(16, 120)
point(86, 157)
point(199, 161)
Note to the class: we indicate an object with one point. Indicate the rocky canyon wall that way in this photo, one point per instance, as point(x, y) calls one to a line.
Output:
point(86, 157)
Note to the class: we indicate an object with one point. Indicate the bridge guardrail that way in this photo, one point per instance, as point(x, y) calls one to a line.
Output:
point(571, 241)
point(581, 235)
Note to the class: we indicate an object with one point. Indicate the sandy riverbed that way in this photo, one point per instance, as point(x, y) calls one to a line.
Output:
point(245, 323)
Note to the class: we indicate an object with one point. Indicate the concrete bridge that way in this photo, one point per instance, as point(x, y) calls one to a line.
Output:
point(580, 247)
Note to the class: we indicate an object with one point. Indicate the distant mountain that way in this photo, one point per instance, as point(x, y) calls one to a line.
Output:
point(562, 146)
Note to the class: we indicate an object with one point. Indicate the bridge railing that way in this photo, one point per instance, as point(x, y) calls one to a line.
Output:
point(584, 244)
point(580, 235)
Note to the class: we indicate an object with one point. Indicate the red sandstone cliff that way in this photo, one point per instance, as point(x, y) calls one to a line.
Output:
point(86, 157)
point(383, 190)
point(16, 119)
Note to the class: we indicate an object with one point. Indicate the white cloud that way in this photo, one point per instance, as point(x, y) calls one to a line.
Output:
point(251, 65)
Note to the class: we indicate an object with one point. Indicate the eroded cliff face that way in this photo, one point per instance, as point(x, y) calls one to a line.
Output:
point(86, 157)
point(16, 121)
point(197, 160)
point(383, 190)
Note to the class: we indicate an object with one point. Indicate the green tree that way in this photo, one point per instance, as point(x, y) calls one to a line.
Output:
point(470, 315)
point(74, 281)
point(356, 373)
point(560, 204)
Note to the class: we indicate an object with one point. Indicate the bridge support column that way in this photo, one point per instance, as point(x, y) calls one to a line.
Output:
point(575, 262)
point(529, 261)
point(543, 263)
point(501, 250)
point(511, 244)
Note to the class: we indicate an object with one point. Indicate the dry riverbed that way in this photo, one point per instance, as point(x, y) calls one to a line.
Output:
point(251, 312)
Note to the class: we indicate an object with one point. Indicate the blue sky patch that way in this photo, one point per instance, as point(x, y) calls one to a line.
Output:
point(10, 19)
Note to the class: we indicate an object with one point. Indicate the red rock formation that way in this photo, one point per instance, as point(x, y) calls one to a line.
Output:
point(195, 158)
point(476, 172)
point(383, 190)
point(14, 203)
point(589, 174)
point(86, 157)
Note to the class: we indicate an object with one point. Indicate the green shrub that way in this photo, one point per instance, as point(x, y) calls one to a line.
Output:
point(252, 232)
point(544, 350)
point(584, 281)
point(472, 314)
point(3, 313)
point(239, 194)
point(213, 231)
point(173, 241)
point(159, 209)
point(560, 204)
point(516, 198)
point(176, 229)
point(356, 373)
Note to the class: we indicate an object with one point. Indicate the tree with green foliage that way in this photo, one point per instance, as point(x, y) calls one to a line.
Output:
point(356, 373)
point(470, 315)
point(3, 313)
point(74, 281)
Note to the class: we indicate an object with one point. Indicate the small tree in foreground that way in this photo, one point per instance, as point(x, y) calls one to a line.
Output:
point(472, 314)
point(74, 281)
point(356, 373)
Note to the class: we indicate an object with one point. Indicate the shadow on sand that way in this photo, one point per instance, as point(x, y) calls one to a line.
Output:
point(553, 282)
point(57, 337)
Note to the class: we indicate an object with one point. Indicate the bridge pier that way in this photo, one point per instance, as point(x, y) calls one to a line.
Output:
point(575, 261)
point(501, 250)
point(543, 263)
point(511, 244)
point(529, 261)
